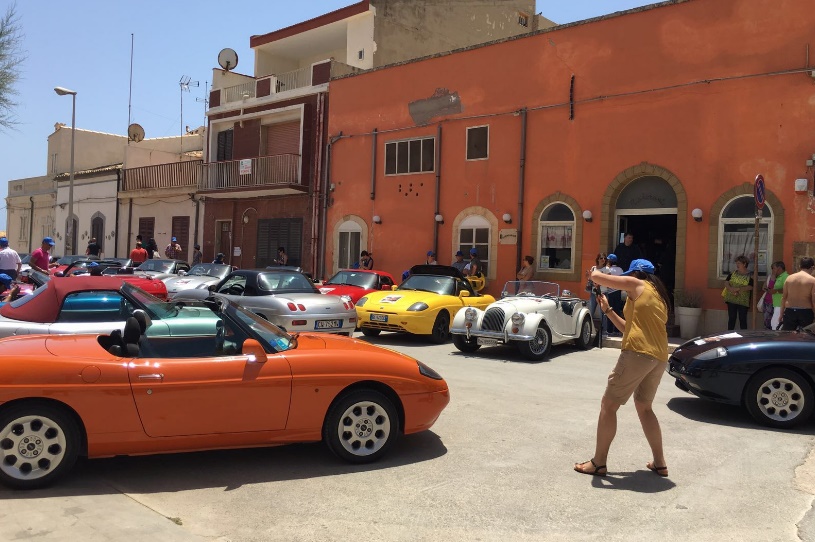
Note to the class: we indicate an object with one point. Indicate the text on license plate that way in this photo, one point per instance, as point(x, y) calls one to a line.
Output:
point(379, 318)
point(328, 324)
point(483, 341)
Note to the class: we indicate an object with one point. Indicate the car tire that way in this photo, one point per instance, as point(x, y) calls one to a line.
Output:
point(38, 444)
point(441, 328)
point(371, 332)
point(584, 341)
point(361, 426)
point(468, 346)
point(779, 397)
point(538, 348)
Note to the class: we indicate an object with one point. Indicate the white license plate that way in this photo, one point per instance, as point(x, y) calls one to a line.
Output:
point(379, 318)
point(484, 341)
point(328, 324)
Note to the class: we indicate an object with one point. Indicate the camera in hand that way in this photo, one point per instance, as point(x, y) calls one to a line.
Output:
point(596, 290)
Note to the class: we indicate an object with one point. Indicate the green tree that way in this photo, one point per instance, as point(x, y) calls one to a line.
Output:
point(11, 58)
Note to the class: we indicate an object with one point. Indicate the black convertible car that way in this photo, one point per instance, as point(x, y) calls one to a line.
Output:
point(771, 373)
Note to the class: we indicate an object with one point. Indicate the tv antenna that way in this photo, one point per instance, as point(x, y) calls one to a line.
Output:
point(228, 59)
point(184, 84)
point(205, 100)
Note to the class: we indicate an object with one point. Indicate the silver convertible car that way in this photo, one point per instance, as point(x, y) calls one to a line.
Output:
point(202, 276)
point(284, 297)
point(530, 314)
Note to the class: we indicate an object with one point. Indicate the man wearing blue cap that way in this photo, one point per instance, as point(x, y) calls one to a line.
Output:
point(475, 263)
point(9, 259)
point(460, 264)
point(173, 250)
point(41, 258)
point(431, 258)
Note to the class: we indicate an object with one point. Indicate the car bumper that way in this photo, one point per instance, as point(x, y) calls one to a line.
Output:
point(501, 336)
point(722, 387)
point(313, 323)
point(418, 323)
point(423, 409)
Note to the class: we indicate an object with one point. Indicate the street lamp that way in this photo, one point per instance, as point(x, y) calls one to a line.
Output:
point(69, 237)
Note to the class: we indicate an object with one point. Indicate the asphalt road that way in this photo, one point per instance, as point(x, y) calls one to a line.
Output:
point(496, 466)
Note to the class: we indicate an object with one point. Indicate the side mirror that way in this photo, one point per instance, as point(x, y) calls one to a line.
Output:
point(393, 287)
point(182, 273)
point(464, 293)
point(254, 350)
point(387, 287)
point(212, 287)
point(59, 274)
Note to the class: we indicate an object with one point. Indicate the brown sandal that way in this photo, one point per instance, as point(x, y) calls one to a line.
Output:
point(595, 472)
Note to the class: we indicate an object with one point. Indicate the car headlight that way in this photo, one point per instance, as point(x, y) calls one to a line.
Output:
point(362, 301)
point(470, 314)
point(428, 372)
point(713, 353)
point(518, 319)
point(418, 306)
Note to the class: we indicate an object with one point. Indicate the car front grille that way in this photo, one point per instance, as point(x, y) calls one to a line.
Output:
point(493, 320)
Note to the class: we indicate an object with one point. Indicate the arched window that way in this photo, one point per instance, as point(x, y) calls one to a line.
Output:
point(737, 235)
point(348, 248)
point(474, 232)
point(98, 230)
point(556, 238)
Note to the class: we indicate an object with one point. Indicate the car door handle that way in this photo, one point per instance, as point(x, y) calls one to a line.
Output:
point(156, 376)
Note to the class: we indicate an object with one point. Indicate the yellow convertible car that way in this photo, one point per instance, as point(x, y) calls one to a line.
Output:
point(424, 304)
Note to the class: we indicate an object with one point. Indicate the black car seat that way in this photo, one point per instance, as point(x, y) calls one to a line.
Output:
point(130, 337)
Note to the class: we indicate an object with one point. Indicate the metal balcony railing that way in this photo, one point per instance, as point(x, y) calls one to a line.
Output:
point(274, 84)
point(263, 171)
point(174, 175)
point(239, 92)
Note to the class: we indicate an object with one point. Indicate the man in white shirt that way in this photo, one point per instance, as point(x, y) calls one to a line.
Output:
point(9, 259)
point(615, 297)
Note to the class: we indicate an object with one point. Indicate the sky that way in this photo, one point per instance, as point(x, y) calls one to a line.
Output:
point(85, 45)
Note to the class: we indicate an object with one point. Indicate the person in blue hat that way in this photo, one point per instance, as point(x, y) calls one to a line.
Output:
point(643, 356)
point(173, 250)
point(41, 258)
point(431, 258)
point(460, 264)
point(9, 259)
point(475, 263)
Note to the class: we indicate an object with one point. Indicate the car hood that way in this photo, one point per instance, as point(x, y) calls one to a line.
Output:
point(175, 283)
point(354, 292)
point(529, 304)
point(400, 300)
point(733, 339)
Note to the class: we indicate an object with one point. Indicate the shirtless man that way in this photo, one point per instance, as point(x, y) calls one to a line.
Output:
point(798, 300)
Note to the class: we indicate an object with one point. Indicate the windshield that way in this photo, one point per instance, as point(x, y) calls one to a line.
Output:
point(430, 283)
point(162, 266)
point(25, 259)
point(290, 282)
point(353, 278)
point(154, 306)
point(68, 260)
point(278, 339)
point(209, 270)
point(530, 288)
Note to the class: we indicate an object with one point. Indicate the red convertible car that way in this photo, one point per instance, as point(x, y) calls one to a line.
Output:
point(356, 283)
point(234, 381)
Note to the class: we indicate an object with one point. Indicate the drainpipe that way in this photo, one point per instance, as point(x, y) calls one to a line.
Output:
point(315, 182)
point(373, 165)
point(437, 225)
point(324, 194)
point(197, 216)
point(116, 231)
point(130, 224)
point(31, 225)
point(521, 177)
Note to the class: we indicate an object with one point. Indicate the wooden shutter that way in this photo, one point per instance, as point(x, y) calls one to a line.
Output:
point(181, 231)
point(147, 227)
point(225, 139)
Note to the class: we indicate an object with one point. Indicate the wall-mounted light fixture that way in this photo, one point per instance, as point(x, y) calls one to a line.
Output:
point(377, 219)
point(507, 218)
point(697, 214)
point(439, 218)
point(587, 216)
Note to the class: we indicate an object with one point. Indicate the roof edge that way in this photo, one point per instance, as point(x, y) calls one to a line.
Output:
point(332, 17)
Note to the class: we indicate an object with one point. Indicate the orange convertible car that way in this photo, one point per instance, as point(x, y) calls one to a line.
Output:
point(234, 381)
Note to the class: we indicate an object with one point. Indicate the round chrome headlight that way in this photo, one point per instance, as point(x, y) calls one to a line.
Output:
point(518, 319)
point(470, 314)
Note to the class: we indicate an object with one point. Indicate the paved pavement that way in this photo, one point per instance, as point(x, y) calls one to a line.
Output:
point(496, 466)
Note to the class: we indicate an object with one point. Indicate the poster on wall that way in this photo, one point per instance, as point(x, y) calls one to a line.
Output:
point(762, 261)
point(246, 166)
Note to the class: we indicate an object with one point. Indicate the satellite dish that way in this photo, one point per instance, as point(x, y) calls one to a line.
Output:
point(135, 132)
point(228, 59)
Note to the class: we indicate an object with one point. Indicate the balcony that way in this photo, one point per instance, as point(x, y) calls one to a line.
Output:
point(264, 172)
point(272, 85)
point(161, 176)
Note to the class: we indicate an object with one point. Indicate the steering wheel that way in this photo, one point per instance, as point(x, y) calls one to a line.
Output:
point(235, 289)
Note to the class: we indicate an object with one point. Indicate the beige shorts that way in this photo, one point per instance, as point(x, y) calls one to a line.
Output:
point(636, 374)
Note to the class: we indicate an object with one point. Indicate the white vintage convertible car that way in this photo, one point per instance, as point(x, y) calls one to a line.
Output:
point(530, 314)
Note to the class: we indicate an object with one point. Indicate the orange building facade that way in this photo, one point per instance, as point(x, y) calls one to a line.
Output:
point(555, 144)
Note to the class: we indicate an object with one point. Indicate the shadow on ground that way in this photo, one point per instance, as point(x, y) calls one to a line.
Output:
point(229, 469)
point(711, 412)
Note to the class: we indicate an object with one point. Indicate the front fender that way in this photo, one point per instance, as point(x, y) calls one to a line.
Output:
point(531, 324)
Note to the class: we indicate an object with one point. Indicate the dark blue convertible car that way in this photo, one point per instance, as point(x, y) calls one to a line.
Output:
point(771, 373)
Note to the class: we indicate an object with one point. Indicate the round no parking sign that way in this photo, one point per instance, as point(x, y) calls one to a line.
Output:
point(759, 193)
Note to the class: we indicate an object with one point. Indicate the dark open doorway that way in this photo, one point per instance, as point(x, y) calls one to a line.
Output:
point(656, 237)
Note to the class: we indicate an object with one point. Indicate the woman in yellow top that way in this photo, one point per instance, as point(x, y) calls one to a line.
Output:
point(640, 365)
